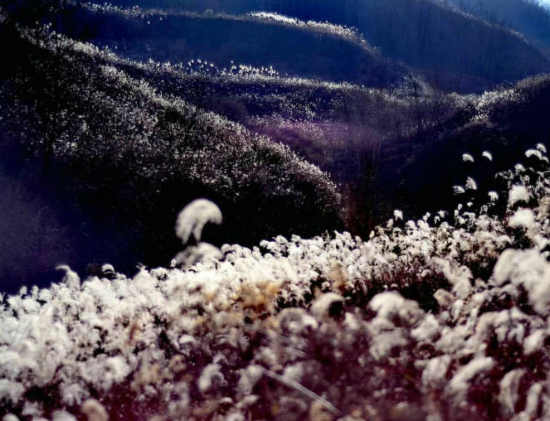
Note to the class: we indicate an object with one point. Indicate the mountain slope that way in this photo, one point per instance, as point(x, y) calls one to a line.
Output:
point(111, 147)
point(291, 47)
point(342, 128)
point(525, 16)
point(503, 122)
point(455, 51)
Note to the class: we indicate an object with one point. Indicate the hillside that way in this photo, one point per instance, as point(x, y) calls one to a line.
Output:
point(268, 103)
point(291, 47)
point(455, 51)
point(108, 146)
point(503, 122)
point(342, 128)
point(525, 16)
point(248, 210)
point(378, 145)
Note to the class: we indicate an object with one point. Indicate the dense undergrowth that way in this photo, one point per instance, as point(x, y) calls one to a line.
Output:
point(438, 318)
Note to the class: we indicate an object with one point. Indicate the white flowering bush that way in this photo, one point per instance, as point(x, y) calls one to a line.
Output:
point(439, 318)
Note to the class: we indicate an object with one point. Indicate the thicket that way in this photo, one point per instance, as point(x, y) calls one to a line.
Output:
point(443, 317)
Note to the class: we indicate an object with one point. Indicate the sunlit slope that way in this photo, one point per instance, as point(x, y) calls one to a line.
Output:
point(312, 50)
point(306, 114)
point(456, 51)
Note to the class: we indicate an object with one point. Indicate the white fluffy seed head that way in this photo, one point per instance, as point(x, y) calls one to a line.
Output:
point(518, 193)
point(523, 218)
point(487, 155)
point(533, 153)
point(211, 377)
point(196, 254)
point(471, 184)
point(71, 278)
point(519, 168)
point(458, 190)
point(398, 215)
point(194, 217)
point(62, 416)
point(94, 411)
point(327, 305)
